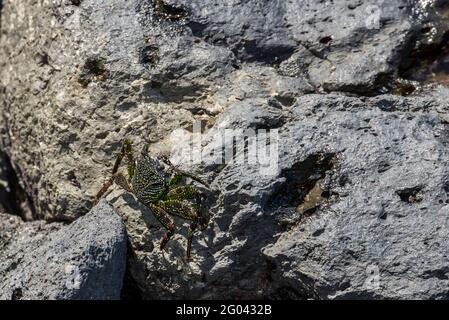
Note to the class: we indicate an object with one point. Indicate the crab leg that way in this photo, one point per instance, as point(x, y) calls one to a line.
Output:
point(178, 208)
point(125, 150)
point(178, 174)
point(163, 218)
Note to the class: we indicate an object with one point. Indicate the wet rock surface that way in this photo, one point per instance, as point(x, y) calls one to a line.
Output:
point(83, 260)
point(357, 205)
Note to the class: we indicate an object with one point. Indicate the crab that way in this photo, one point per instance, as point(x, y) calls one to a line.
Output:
point(160, 190)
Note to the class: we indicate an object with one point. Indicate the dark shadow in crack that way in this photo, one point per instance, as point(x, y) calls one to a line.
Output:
point(130, 288)
point(428, 62)
point(300, 179)
point(13, 197)
point(246, 50)
point(169, 12)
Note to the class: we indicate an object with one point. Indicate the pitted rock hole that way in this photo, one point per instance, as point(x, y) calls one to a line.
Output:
point(302, 181)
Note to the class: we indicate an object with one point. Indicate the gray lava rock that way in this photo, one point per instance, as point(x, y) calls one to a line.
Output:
point(83, 260)
point(376, 229)
point(382, 231)
point(78, 77)
point(4, 188)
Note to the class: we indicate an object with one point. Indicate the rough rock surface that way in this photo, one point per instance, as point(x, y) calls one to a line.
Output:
point(382, 231)
point(79, 76)
point(378, 230)
point(83, 260)
point(364, 167)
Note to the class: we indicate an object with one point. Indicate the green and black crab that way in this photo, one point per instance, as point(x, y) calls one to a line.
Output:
point(160, 190)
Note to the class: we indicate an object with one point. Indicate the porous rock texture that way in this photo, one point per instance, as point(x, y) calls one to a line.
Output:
point(358, 206)
point(83, 260)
